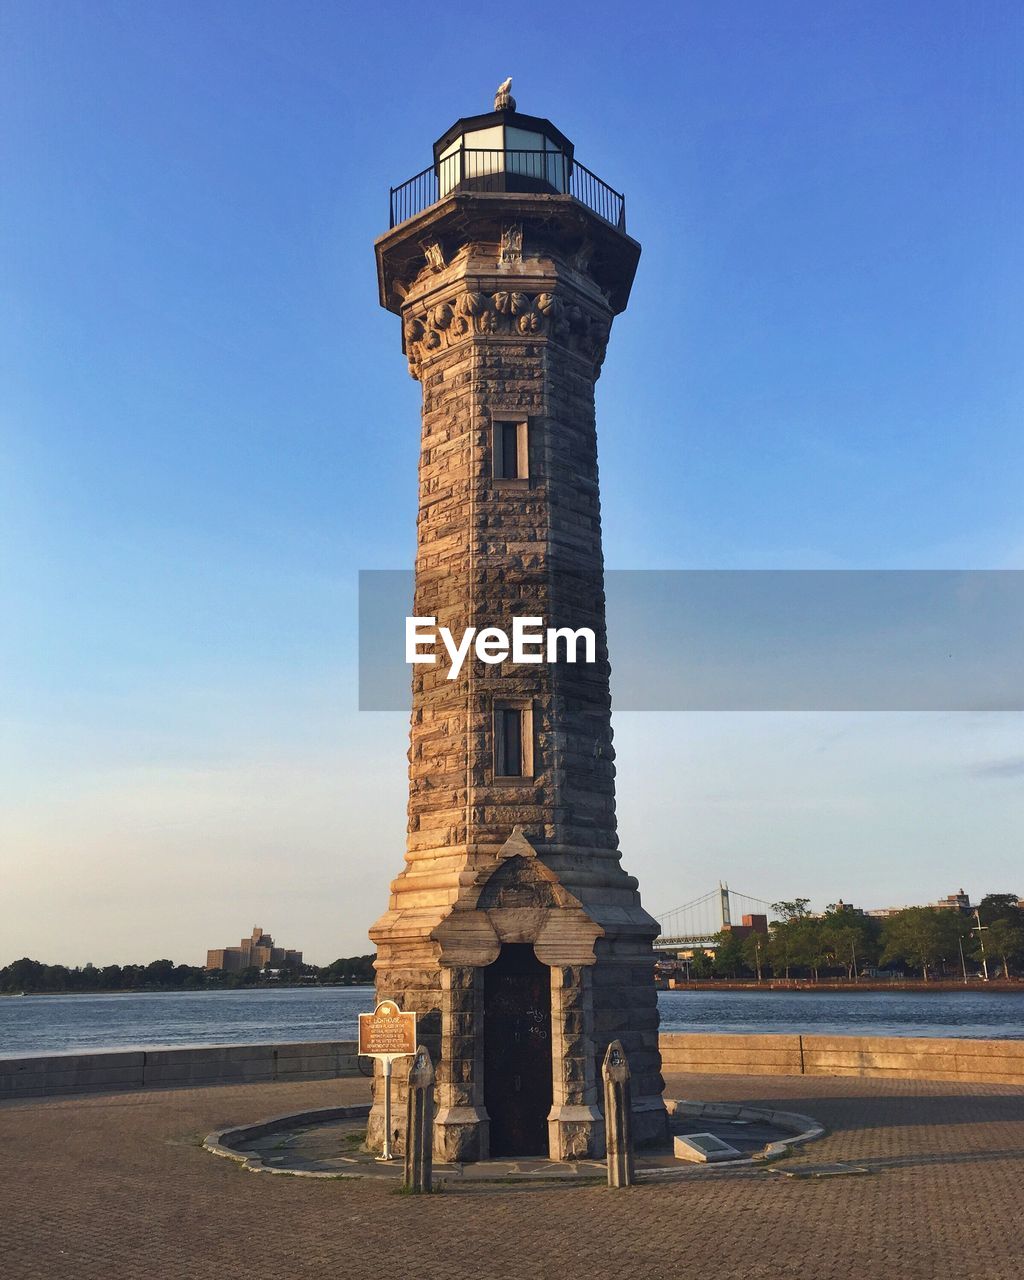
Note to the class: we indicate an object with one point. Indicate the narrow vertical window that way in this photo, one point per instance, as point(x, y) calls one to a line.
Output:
point(509, 726)
point(509, 451)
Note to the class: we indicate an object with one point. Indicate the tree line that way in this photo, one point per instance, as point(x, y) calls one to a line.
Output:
point(934, 942)
point(32, 976)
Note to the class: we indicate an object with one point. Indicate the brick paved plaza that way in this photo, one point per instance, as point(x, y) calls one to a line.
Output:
point(118, 1187)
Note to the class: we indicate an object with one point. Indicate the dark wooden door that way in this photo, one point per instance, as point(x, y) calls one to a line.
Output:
point(517, 1051)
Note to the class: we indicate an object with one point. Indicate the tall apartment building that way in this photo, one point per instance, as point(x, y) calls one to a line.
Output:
point(256, 952)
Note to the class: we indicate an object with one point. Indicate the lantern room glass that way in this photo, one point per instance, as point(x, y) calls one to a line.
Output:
point(503, 158)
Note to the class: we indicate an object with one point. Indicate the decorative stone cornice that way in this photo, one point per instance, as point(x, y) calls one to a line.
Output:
point(466, 314)
point(490, 222)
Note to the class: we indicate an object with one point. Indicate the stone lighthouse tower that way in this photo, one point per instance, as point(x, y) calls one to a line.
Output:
point(513, 930)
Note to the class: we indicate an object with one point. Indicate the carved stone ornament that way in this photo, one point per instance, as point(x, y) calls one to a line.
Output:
point(510, 313)
point(473, 304)
point(547, 304)
point(517, 883)
point(511, 243)
point(514, 302)
point(434, 255)
point(441, 317)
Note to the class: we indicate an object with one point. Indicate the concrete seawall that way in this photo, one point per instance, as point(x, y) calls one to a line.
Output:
point(893, 1057)
point(986, 1061)
point(156, 1068)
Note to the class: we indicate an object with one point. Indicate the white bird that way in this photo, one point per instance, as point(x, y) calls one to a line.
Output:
point(503, 100)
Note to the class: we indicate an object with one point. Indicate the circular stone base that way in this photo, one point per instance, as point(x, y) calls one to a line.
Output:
point(329, 1144)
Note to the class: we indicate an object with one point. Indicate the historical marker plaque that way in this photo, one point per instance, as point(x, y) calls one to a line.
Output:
point(387, 1032)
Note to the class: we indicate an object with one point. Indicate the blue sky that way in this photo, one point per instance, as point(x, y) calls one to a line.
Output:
point(207, 429)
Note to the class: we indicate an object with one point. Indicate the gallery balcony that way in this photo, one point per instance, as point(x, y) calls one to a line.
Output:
point(546, 171)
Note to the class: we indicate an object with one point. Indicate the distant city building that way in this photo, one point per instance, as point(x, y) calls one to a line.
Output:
point(751, 924)
point(956, 902)
point(842, 906)
point(256, 952)
point(952, 902)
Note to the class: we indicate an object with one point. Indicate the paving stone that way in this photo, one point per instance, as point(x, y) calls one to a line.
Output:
point(118, 1187)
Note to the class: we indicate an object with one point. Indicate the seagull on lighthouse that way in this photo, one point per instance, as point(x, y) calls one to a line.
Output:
point(503, 100)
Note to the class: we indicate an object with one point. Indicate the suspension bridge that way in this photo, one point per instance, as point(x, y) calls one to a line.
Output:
point(695, 924)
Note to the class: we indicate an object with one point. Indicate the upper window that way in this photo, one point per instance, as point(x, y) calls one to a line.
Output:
point(509, 451)
point(509, 726)
point(513, 740)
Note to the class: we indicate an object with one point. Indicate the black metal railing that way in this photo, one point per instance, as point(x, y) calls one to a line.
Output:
point(550, 172)
point(413, 196)
point(597, 195)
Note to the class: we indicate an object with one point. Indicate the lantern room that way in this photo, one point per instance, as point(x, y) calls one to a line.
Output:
point(503, 151)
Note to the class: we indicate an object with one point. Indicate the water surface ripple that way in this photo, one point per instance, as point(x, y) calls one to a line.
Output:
point(57, 1024)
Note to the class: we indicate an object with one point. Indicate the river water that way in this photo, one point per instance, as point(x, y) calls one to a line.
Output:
point(55, 1024)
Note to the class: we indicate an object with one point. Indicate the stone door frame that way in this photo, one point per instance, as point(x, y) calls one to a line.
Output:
point(564, 942)
point(575, 1121)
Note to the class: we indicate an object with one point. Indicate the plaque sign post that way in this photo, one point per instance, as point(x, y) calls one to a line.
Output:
point(387, 1034)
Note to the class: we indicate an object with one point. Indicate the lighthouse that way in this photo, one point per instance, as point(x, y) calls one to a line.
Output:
point(513, 930)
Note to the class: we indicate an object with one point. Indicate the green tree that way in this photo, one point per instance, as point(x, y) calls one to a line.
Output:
point(783, 949)
point(1000, 906)
point(795, 909)
point(811, 948)
point(22, 975)
point(797, 942)
point(55, 978)
point(1006, 939)
point(349, 969)
point(851, 939)
point(755, 953)
point(132, 977)
point(701, 964)
point(923, 937)
point(840, 942)
point(159, 973)
point(728, 962)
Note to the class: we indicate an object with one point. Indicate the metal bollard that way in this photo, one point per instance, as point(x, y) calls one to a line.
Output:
point(419, 1127)
point(618, 1116)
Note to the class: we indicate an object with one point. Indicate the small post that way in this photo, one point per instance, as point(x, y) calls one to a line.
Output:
point(618, 1116)
point(386, 1153)
point(419, 1128)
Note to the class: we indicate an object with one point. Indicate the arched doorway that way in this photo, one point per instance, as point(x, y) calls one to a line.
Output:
point(517, 1051)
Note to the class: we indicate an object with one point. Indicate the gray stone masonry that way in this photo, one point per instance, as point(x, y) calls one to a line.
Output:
point(520, 342)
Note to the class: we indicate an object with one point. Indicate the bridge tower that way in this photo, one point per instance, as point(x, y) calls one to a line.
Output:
point(513, 930)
